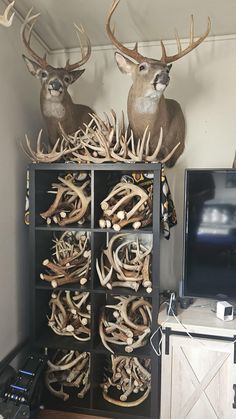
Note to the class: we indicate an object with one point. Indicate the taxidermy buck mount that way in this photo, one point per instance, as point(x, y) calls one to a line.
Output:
point(147, 105)
point(4, 19)
point(56, 104)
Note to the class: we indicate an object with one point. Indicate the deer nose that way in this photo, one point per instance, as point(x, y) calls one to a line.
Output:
point(55, 84)
point(164, 78)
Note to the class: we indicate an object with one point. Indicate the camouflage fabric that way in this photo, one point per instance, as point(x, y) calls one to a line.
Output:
point(27, 199)
point(168, 212)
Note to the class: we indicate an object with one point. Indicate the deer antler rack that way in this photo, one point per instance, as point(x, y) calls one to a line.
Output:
point(133, 53)
point(80, 32)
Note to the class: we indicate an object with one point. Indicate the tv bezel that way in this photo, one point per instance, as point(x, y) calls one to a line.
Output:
point(183, 291)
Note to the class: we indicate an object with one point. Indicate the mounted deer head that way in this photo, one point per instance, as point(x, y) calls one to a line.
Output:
point(146, 103)
point(56, 103)
point(4, 19)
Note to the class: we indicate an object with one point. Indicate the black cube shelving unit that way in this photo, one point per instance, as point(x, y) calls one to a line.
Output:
point(103, 176)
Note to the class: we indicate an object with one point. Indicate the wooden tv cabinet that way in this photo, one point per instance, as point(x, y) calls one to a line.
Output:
point(198, 372)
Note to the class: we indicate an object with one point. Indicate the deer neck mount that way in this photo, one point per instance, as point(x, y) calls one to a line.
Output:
point(4, 19)
point(56, 104)
point(146, 104)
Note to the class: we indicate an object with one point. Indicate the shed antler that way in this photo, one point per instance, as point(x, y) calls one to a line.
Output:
point(4, 19)
point(129, 376)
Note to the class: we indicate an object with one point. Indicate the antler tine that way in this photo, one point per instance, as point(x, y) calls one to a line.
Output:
point(28, 150)
point(39, 141)
point(4, 20)
point(133, 53)
point(170, 154)
point(179, 46)
point(192, 44)
point(154, 156)
point(30, 20)
point(84, 54)
point(191, 37)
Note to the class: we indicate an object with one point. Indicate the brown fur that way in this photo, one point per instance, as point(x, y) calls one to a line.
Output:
point(56, 103)
point(147, 106)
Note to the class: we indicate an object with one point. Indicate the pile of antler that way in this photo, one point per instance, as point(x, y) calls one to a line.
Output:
point(71, 204)
point(71, 262)
point(125, 263)
point(68, 370)
point(108, 141)
point(101, 141)
point(127, 204)
point(126, 323)
point(129, 376)
point(42, 155)
point(70, 314)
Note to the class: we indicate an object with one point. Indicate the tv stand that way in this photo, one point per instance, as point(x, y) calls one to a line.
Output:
point(198, 371)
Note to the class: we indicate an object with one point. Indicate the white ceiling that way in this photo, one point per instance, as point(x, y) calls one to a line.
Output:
point(136, 20)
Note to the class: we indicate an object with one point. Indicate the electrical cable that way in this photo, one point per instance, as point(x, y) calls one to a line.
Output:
point(170, 309)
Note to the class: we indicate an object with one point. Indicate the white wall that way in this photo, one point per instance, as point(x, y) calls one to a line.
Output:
point(204, 83)
point(19, 113)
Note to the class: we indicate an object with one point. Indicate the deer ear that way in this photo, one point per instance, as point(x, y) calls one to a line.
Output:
point(32, 66)
point(75, 75)
point(125, 65)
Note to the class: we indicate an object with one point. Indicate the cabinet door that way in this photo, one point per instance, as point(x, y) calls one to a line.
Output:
point(197, 379)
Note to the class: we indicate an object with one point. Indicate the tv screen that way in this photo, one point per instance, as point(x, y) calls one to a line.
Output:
point(210, 233)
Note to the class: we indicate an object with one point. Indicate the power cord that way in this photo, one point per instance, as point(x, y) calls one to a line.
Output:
point(171, 312)
point(169, 309)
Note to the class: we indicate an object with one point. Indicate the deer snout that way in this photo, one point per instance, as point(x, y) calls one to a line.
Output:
point(165, 78)
point(162, 78)
point(55, 85)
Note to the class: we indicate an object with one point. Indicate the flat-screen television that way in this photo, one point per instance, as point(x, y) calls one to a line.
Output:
point(209, 264)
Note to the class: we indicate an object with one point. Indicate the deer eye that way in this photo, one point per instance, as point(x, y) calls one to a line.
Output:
point(142, 67)
point(67, 79)
point(44, 74)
